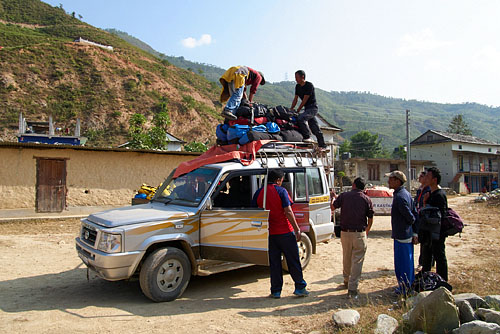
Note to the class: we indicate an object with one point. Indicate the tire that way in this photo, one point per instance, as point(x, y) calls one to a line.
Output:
point(305, 252)
point(165, 274)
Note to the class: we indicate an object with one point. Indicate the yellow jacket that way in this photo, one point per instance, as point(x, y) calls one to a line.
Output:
point(231, 75)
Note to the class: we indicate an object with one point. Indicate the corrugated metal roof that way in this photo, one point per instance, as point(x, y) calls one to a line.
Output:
point(463, 138)
point(451, 137)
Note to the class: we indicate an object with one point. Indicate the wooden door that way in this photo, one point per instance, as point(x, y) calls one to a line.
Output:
point(50, 185)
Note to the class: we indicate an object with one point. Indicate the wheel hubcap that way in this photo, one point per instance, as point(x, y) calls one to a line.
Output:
point(169, 275)
point(302, 251)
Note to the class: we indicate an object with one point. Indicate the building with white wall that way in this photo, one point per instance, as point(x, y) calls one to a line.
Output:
point(467, 163)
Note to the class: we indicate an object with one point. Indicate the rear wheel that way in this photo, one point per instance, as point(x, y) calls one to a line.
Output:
point(165, 274)
point(305, 252)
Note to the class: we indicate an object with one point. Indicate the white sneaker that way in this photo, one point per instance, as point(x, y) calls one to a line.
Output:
point(308, 140)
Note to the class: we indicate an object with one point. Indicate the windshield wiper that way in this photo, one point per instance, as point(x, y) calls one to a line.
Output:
point(168, 200)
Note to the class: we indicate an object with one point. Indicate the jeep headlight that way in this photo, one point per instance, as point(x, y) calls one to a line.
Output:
point(110, 243)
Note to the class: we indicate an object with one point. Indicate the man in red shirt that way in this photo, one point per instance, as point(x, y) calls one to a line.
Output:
point(282, 238)
point(254, 79)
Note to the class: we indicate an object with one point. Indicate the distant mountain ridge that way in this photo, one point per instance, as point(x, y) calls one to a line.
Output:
point(43, 71)
point(356, 111)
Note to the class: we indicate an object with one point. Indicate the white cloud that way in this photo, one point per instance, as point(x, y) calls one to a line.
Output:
point(191, 42)
point(420, 42)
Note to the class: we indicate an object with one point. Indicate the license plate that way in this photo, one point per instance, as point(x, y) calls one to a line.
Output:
point(84, 259)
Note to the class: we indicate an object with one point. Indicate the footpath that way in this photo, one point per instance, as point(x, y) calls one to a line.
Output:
point(8, 215)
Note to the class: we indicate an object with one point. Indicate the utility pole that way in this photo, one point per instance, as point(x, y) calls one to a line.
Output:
point(408, 158)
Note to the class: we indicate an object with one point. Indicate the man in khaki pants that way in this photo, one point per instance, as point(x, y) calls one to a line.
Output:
point(356, 219)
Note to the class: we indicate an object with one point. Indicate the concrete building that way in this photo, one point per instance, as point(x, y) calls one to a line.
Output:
point(467, 163)
point(52, 177)
point(330, 132)
point(373, 170)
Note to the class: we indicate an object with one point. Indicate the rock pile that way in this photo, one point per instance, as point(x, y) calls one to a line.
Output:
point(493, 197)
point(435, 312)
point(442, 312)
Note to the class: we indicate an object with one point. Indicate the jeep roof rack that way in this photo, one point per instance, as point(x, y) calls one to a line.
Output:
point(297, 150)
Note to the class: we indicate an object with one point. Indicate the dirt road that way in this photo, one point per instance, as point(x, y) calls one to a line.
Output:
point(44, 288)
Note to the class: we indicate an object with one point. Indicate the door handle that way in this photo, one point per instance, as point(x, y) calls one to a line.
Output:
point(256, 224)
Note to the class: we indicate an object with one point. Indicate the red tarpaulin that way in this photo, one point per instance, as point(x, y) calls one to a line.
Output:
point(245, 154)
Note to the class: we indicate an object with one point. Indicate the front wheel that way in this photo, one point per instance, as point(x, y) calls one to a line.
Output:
point(165, 274)
point(305, 252)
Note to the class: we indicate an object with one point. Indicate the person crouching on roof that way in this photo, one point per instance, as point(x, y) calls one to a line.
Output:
point(233, 82)
point(284, 232)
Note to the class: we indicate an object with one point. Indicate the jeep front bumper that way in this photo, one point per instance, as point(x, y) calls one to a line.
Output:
point(111, 267)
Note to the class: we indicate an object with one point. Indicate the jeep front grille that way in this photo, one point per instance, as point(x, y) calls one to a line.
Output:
point(88, 236)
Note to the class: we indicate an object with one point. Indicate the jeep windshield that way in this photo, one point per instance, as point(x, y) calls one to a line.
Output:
point(188, 189)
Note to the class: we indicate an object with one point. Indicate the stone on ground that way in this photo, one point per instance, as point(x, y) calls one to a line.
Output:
point(474, 300)
point(493, 301)
point(478, 327)
point(489, 315)
point(465, 311)
point(386, 324)
point(346, 318)
point(436, 313)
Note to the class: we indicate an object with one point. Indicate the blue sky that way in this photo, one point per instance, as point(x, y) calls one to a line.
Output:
point(440, 51)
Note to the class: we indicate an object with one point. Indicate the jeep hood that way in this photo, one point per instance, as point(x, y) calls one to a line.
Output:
point(139, 214)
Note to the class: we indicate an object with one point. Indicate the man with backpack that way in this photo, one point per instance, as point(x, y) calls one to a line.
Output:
point(435, 247)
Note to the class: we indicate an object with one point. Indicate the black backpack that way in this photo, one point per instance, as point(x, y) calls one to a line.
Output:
point(429, 281)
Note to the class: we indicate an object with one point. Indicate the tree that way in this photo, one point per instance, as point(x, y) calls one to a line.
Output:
point(345, 147)
point(364, 144)
point(399, 152)
point(459, 126)
point(195, 146)
point(155, 138)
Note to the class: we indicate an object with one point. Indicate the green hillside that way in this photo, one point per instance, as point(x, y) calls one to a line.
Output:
point(210, 72)
point(44, 71)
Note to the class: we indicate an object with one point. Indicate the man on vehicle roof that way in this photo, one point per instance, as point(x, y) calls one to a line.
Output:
point(307, 121)
point(234, 82)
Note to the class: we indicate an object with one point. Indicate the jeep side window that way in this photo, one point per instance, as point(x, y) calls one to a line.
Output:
point(300, 186)
point(314, 182)
point(236, 192)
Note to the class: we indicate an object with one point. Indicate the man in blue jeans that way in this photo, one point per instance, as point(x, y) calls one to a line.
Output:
point(307, 120)
point(282, 238)
point(234, 82)
point(404, 232)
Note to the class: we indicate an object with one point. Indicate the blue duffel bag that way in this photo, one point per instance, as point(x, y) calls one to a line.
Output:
point(237, 131)
point(221, 132)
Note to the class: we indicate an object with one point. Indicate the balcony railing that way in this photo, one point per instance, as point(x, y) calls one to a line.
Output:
point(478, 168)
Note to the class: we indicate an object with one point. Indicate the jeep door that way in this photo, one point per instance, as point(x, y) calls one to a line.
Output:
point(231, 229)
